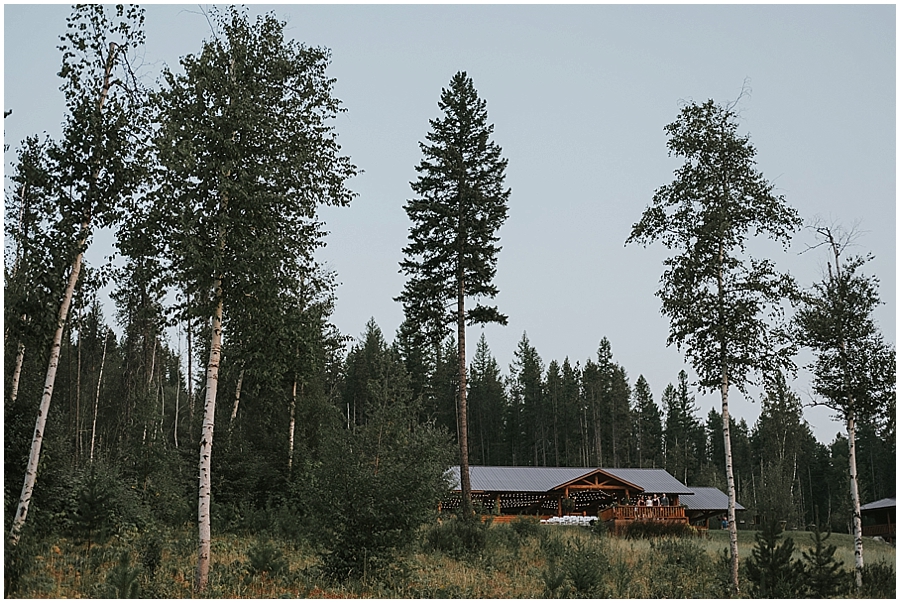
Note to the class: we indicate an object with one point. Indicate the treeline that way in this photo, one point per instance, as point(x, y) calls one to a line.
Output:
point(592, 414)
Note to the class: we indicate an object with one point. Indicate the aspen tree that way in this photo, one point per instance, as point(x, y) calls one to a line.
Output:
point(95, 167)
point(718, 298)
point(247, 154)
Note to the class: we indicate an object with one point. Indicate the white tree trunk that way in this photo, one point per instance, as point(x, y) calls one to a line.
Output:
point(291, 429)
point(854, 497)
point(206, 440)
point(97, 397)
point(49, 382)
point(237, 400)
point(732, 494)
point(17, 373)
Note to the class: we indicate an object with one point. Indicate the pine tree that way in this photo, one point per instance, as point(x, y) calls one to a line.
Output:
point(771, 567)
point(824, 576)
point(647, 426)
point(452, 254)
point(718, 299)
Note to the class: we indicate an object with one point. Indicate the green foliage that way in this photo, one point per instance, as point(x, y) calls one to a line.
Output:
point(682, 570)
point(854, 370)
point(586, 566)
point(458, 537)
point(460, 204)
point(526, 526)
point(375, 485)
point(122, 580)
point(879, 581)
point(771, 568)
point(100, 503)
point(265, 558)
point(824, 576)
point(657, 529)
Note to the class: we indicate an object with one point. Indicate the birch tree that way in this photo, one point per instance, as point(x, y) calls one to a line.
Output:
point(95, 166)
point(247, 153)
point(855, 369)
point(719, 299)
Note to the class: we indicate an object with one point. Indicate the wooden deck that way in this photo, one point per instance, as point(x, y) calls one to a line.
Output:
point(619, 517)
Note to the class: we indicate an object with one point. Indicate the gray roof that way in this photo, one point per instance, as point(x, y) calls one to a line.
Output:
point(884, 503)
point(544, 479)
point(653, 481)
point(518, 479)
point(708, 499)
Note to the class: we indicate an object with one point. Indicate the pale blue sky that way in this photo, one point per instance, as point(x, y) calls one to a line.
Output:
point(579, 96)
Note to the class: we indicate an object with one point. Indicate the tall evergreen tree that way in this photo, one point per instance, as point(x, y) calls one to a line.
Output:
point(527, 393)
point(487, 401)
point(452, 254)
point(718, 299)
point(249, 153)
point(855, 369)
point(684, 435)
point(648, 430)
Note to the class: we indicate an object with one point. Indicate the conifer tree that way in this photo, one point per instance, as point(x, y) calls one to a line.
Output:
point(771, 567)
point(824, 576)
point(461, 202)
point(719, 300)
point(647, 426)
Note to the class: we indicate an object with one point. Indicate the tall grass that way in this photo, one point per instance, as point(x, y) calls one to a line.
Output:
point(523, 560)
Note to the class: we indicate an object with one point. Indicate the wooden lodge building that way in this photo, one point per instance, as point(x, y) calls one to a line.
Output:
point(879, 518)
point(610, 494)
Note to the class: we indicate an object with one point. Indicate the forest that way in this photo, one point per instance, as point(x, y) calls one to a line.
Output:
point(222, 342)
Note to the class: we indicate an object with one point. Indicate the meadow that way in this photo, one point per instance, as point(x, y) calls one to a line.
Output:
point(518, 560)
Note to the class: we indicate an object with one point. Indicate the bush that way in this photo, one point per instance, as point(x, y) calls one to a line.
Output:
point(586, 565)
point(681, 569)
point(879, 581)
point(657, 529)
point(266, 559)
point(526, 525)
point(457, 537)
point(373, 489)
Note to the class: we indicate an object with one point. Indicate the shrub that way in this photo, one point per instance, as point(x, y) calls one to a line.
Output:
point(681, 569)
point(586, 565)
point(526, 525)
point(266, 559)
point(460, 538)
point(657, 529)
point(122, 580)
point(879, 581)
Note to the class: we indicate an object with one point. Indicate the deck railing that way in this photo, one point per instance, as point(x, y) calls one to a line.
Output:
point(884, 529)
point(635, 512)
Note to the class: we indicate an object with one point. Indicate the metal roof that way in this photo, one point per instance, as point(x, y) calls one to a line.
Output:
point(884, 503)
point(708, 499)
point(518, 479)
point(544, 479)
point(653, 481)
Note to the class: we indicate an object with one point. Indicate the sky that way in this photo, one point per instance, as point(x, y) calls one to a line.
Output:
point(578, 96)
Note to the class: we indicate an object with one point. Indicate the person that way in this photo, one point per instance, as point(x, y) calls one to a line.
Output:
point(641, 502)
point(650, 502)
point(665, 501)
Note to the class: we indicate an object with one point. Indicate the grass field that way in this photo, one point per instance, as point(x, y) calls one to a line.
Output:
point(517, 562)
